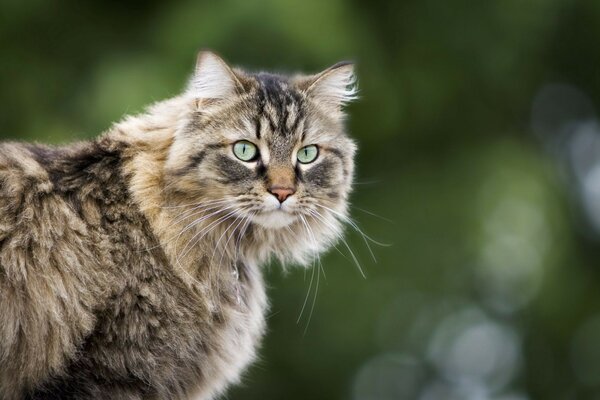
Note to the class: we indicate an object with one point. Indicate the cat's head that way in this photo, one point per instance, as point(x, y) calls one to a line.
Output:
point(267, 149)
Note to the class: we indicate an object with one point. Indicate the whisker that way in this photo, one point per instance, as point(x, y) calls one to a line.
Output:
point(354, 258)
point(224, 250)
point(312, 276)
point(373, 182)
point(180, 219)
point(222, 236)
point(240, 219)
point(312, 237)
point(196, 211)
point(203, 232)
point(319, 268)
point(353, 223)
point(196, 221)
point(312, 308)
point(310, 284)
point(373, 214)
point(242, 231)
point(200, 234)
point(208, 202)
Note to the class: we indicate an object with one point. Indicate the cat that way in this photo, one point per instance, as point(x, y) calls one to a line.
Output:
point(130, 264)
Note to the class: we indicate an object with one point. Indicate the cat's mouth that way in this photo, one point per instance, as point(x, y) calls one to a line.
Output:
point(276, 214)
point(274, 218)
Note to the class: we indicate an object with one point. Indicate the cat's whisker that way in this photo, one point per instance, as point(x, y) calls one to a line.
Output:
point(244, 221)
point(317, 215)
point(240, 233)
point(203, 206)
point(372, 182)
point(203, 232)
point(319, 267)
point(312, 276)
point(217, 267)
point(309, 286)
point(341, 252)
point(239, 219)
point(319, 264)
point(244, 229)
point(206, 229)
point(312, 238)
point(164, 189)
point(208, 202)
point(192, 224)
point(241, 222)
point(354, 225)
point(203, 218)
point(314, 300)
point(198, 210)
point(240, 230)
point(373, 214)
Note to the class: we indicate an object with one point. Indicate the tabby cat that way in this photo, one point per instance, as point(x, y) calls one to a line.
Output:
point(130, 264)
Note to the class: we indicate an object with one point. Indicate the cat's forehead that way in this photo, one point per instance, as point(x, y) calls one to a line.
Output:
point(277, 89)
point(280, 105)
point(276, 112)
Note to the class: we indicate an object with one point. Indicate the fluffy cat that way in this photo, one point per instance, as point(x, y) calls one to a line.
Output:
point(130, 264)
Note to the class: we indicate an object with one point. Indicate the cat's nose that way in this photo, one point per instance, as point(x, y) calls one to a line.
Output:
point(281, 193)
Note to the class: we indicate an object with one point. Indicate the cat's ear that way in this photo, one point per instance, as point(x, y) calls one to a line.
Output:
point(335, 87)
point(213, 78)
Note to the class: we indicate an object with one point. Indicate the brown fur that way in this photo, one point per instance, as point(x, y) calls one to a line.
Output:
point(121, 274)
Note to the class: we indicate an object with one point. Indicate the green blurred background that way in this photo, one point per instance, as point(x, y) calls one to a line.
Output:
point(479, 154)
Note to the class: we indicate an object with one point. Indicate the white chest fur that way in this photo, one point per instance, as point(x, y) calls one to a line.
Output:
point(240, 334)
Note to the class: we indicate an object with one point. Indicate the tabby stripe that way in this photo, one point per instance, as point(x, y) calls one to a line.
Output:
point(336, 152)
point(197, 158)
point(341, 156)
point(258, 127)
point(294, 126)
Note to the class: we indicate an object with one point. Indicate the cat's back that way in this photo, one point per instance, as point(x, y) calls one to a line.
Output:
point(23, 179)
point(46, 266)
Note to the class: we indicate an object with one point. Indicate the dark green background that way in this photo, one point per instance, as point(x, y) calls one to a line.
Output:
point(490, 288)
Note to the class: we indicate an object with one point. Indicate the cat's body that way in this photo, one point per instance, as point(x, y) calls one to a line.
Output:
point(125, 270)
point(127, 315)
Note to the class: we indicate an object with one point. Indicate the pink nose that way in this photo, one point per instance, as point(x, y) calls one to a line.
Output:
point(281, 193)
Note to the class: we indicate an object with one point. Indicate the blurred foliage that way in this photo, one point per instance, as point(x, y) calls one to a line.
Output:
point(490, 288)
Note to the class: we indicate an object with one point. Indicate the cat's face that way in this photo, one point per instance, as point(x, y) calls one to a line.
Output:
point(266, 148)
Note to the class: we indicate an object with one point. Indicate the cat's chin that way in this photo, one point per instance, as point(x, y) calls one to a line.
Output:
point(275, 219)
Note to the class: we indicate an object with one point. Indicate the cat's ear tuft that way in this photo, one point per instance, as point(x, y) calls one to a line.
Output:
point(213, 78)
point(335, 87)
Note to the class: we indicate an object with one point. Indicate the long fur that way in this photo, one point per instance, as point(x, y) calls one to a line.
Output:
point(130, 264)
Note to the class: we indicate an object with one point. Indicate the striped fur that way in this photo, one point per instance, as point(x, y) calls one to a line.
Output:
point(129, 265)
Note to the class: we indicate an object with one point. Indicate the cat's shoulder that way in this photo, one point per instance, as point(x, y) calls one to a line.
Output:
point(21, 160)
point(21, 172)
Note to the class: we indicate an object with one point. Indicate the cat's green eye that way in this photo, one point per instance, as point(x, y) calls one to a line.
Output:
point(308, 154)
point(245, 150)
